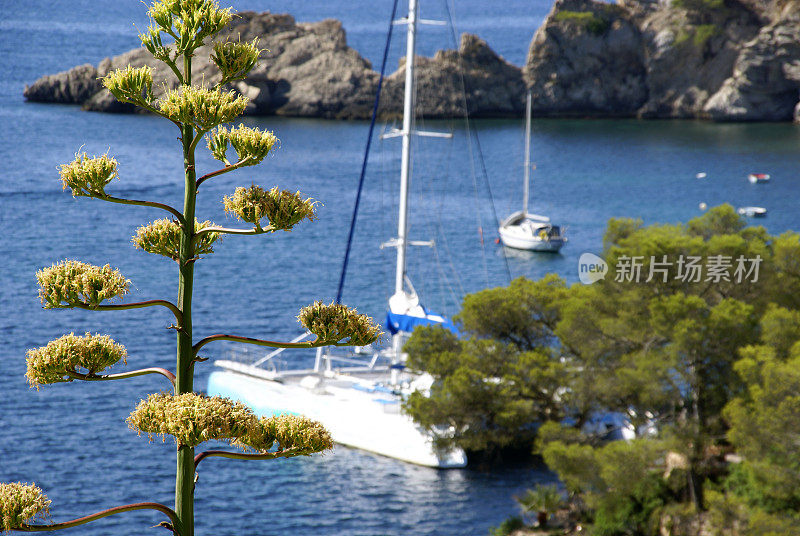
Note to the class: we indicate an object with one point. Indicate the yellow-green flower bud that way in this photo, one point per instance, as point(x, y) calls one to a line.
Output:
point(235, 59)
point(295, 432)
point(70, 283)
point(191, 418)
point(151, 40)
point(88, 176)
point(21, 503)
point(163, 237)
point(251, 145)
point(334, 322)
point(190, 20)
point(53, 363)
point(132, 84)
point(201, 107)
point(282, 208)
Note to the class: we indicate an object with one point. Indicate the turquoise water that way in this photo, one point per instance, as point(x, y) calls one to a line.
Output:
point(72, 439)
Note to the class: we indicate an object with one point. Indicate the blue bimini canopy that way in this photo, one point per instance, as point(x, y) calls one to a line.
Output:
point(397, 322)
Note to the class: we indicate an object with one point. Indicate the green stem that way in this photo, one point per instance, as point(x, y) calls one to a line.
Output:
point(122, 375)
point(184, 475)
point(262, 342)
point(225, 230)
point(105, 513)
point(226, 169)
point(124, 306)
point(162, 206)
point(288, 453)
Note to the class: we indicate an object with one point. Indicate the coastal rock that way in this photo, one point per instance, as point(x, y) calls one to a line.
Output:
point(473, 76)
point(307, 70)
point(587, 59)
point(765, 85)
point(731, 60)
point(69, 87)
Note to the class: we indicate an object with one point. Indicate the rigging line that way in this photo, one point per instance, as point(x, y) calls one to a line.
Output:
point(366, 155)
point(470, 133)
point(469, 140)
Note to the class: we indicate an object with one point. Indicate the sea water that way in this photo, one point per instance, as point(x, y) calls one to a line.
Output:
point(72, 439)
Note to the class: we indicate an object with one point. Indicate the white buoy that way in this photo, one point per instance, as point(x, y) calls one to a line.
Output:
point(701, 175)
point(703, 206)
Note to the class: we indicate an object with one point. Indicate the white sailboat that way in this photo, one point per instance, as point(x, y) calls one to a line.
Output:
point(522, 230)
point(358, 396)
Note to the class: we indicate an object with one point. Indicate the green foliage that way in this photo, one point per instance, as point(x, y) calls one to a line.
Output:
point(74, 283)
point(730, 514)
point(587, 20)
point(251, 145)
point(540, 501)
point(282, 208)
point(163, 237)
point(87, 176)
point(68, 354)
point(507, 527)
point(620, 482)
point(21, 503)
point(336, 323)
point(700, 5)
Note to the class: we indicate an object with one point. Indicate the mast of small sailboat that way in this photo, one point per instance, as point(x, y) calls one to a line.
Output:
point(527, 163)
point(405, 169)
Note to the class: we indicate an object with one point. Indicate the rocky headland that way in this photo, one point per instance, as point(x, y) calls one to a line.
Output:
point(725, 60)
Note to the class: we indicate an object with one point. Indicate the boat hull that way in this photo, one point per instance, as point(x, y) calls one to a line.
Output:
point(354, 418)
point(517, 239)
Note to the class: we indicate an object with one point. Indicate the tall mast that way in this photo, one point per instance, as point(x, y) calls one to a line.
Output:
point(405, 162)
point(527, 164)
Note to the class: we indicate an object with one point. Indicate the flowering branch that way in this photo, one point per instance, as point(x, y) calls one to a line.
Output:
point(122, 375)
point(261, 342)
point(288, 453)
point(231, 167)
point(226, 230)
point(121, 306)
point(108, 512)
point(171, 210)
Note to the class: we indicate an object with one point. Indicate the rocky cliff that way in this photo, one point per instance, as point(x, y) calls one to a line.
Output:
point(308, 70)
point(733, 60)
point(716, 59)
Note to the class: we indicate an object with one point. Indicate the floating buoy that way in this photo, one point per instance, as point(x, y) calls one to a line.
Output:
point(701, 175)
point(703, 206)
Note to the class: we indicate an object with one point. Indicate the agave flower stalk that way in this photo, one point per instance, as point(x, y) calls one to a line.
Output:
point(177, 28)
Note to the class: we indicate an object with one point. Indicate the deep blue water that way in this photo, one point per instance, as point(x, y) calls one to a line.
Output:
point(72, 439)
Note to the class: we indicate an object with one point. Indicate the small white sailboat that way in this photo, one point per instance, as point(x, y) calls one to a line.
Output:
point(358, 396)
point(522, 230)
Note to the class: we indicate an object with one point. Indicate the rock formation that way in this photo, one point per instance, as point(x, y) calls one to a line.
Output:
point(716, 59)
point(735, 60)
point(307, 70)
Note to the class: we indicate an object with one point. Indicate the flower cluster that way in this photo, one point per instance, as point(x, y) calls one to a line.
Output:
point(53, 363)
point(282, 208)
point(192, 418)
point(290, 432)
point(333, 323)
point(189, 22)
point(21, 503)
point(235, 59)
point(71, 283)
point(88, 176)
point(201, 107)
point(163, 237)
point(251, 145)
point(131, 84)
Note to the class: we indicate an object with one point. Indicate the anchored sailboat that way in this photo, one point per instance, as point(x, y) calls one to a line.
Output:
point(522, 230)
point(358, 396)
